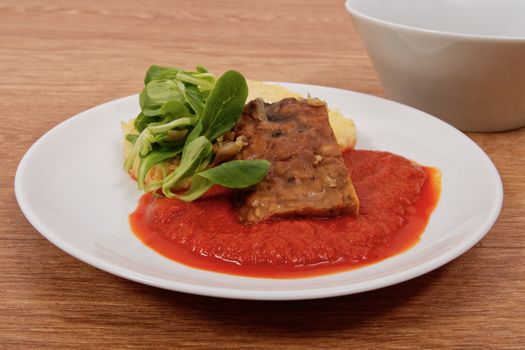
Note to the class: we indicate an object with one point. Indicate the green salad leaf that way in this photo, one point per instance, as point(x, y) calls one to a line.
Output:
point(149, 161)
point(183, 113)
point(237, 173)
point(232, 174)
point(195, 156)
point(193, 96)
point(160, 73)
point(224, 105)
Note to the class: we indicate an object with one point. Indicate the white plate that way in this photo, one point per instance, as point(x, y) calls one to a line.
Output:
point(72, 188)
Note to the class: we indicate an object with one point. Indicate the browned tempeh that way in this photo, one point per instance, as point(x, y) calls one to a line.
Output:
point(308, 176)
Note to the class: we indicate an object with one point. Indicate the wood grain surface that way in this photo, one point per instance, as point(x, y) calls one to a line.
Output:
point(58, 58)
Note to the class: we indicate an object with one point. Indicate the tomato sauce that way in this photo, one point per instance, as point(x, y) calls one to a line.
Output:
point(396, 197)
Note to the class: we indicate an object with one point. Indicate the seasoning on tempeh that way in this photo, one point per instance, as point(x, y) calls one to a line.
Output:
point(308, 176)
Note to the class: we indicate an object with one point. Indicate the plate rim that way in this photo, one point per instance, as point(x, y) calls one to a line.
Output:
point(261, 294)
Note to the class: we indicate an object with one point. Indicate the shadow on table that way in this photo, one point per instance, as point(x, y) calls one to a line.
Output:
point(300, 318)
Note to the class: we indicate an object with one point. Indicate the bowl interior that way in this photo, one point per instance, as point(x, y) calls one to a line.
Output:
point(494, 18)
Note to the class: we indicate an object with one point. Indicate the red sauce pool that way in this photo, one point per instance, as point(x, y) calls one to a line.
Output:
point(396, 196)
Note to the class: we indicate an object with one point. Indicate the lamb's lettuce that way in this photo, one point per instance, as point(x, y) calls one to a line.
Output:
point(224, 105)
point(182, 115)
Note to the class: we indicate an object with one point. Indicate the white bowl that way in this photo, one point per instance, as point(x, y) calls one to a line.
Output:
point(460, 60)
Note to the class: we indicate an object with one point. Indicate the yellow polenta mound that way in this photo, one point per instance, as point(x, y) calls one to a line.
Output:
point(344, 129)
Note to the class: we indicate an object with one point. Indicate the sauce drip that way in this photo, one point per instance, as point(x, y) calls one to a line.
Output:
point(396, 196)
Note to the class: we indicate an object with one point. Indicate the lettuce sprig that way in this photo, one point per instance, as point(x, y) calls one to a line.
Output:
point(182, 114)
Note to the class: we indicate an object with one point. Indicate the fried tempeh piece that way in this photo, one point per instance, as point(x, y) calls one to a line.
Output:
point(308, 176)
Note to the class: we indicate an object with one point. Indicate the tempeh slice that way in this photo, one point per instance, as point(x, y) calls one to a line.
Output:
point(308, 176)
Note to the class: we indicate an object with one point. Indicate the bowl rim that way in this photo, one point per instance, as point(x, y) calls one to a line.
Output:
point(438, 33)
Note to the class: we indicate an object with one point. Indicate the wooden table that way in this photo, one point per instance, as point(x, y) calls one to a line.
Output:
point(58, 58)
